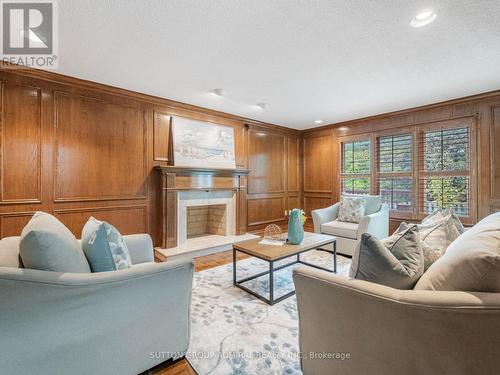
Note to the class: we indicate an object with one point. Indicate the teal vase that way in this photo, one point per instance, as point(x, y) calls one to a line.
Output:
point(295, 227)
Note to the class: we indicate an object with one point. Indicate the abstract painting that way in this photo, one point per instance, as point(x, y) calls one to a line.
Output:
point(202, 144)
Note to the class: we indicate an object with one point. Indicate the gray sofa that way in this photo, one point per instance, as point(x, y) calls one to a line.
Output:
point(120, 322)
point(435, 328)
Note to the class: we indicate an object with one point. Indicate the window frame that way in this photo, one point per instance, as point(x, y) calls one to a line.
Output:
point(369, 175)
point(470, 172)
point(418, 172)
point(407, 130)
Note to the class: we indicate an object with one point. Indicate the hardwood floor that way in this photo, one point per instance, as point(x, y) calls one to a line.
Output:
point(182, 367)
point(215, 260)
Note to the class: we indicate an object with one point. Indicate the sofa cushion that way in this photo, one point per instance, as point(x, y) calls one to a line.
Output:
point(436, 236)
point(341, 229)
point(104, 247)
point(471, 262)
point(352, 209)
point(372, 202)
point(397, 261)
point(9, 252)
point(47, 245)
point(446, 214)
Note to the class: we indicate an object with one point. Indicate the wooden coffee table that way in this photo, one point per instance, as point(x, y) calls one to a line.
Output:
point(272, 254)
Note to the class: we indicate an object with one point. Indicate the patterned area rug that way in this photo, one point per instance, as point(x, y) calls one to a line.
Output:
point(233, 332)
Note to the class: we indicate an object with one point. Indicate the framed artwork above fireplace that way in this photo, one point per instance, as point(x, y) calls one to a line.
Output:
point(202, 144)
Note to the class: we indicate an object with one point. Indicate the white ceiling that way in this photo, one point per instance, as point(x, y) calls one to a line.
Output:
point(333, 60)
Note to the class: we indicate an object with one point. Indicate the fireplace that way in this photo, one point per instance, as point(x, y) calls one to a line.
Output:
point(201, 202)
point(205, 213)
point(206, 220)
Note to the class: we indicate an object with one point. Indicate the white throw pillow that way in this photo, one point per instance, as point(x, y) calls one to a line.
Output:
point(448, 214)
point(373, 202)
point(352, 209)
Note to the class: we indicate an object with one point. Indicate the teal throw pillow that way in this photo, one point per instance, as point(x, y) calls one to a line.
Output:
point(104, 247)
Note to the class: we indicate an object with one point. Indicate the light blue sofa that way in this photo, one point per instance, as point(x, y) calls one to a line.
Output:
point(120, 322)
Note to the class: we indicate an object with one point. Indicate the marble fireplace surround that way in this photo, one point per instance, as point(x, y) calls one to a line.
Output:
point(182, 186)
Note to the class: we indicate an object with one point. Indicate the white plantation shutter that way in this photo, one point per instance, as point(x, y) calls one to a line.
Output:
point(356, 166)
point(394, 174)
point(416, 169)
point(445, 170)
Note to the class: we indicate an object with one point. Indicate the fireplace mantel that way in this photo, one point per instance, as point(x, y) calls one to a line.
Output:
point(176, 179)
point(190, 171)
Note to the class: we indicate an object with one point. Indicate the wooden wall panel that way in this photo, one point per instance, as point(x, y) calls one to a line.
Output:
point(161, 136)
point(100, 144)
point(274, 182)
point(495, 152)
point(240, 145)
point(266, 210)
point(293, 202)
point(11, 224)
point(267, 162)
point(127, 219)
point(314, 202)
point(20, 144)
point(293, 164)
point(318, 164)
point(320, 171)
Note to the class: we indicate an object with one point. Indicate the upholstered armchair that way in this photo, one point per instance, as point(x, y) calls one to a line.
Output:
point(117, 322)
point(375, 221)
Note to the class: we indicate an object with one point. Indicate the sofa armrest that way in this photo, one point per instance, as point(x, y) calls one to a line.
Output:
point(81, 321)
point(376, 223)
point(324, 215)
point(140, 247)
point(389, 331)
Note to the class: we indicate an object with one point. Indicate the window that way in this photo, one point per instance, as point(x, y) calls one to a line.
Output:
point(356, 160)
point(356, 185)
point(416, 169)
point(397, 193)
point(444, 178)
point(395, 171)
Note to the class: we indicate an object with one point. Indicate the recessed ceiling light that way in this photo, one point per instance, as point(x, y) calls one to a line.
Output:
point(318, 122)
point(423, 18)
point(262, 105)
point(218, 92)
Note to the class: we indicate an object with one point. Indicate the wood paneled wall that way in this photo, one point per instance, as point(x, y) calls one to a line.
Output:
point(320, 170)
point(321, 148)
point(274, 183)
point(78, 149)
